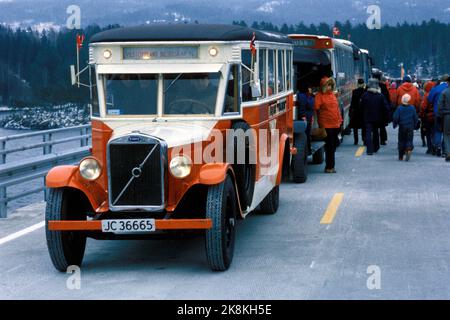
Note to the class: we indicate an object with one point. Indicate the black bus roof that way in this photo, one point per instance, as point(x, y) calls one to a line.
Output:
point(187, 32)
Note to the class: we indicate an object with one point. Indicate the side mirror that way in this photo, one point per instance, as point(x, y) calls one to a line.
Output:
point(256, 89)
point(73, 76)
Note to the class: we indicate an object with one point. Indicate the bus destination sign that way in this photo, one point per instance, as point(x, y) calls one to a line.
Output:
point(160, 53)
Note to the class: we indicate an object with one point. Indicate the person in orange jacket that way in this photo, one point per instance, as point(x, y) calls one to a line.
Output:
point(408, 88)
point(329, 117)
point(427, 116)
point(393, 95)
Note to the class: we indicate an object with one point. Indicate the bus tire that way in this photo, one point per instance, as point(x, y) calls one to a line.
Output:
point(271, 202)
point(300, 160)
point(319, 156)
point(245, 173)
point(65, 248)
point(220, 239)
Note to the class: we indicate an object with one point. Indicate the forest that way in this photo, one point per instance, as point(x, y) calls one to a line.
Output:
point(34, 67)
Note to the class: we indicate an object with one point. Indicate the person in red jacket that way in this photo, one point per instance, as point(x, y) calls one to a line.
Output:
point(393, 95)
point(329, 117)
point(427, 116)
point(408, 88)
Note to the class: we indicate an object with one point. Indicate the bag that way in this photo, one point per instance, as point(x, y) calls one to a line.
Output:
point(318, 134)
point(418, 124)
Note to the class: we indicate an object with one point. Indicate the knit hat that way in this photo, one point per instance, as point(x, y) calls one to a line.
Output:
point(406, 99)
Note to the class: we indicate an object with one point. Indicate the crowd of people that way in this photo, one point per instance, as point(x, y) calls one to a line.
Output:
point(407, 105)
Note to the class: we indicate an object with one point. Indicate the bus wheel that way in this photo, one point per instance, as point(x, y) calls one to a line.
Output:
point(300, 160)
point(245, 173)
point(66, 248)
point(270, 204)
point(319, 156)
point(221, 209)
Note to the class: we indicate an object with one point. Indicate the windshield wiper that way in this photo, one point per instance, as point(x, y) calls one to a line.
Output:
point(173, 82)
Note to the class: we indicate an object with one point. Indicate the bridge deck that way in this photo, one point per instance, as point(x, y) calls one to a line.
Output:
point(393, 216)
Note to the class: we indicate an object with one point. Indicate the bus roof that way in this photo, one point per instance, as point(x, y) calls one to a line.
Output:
point(187, 32)
point(309, 36)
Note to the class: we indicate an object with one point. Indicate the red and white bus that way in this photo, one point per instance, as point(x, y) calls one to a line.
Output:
point(316, 57)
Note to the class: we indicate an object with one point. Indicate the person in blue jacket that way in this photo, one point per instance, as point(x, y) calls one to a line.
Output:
point(406, 118)
point(435, 94)
point(305, 104)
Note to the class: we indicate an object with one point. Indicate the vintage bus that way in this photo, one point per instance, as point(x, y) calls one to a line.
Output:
point(332, 57)
point(164, 96)
point(366, 65)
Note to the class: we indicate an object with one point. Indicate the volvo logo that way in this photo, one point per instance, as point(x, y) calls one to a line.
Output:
point(136, 172)
point(134, 139)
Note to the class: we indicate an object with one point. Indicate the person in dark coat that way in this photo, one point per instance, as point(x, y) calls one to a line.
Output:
point(305, 104)
point(356, 113)
point(375, 109)
point(406, 118)
point(387, 96)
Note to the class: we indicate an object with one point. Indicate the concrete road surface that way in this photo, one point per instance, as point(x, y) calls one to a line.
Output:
point(387, 236)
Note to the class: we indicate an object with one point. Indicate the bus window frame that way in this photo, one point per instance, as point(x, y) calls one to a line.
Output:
point(238, 85)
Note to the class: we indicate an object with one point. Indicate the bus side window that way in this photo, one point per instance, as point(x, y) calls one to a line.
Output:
point(262, 71)
point(95, 108)
point(247, 77)
point(281, 78)
point(271, 72)
point(288, 71)
point(232, 97)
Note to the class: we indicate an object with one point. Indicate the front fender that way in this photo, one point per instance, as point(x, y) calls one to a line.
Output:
point(69, 177)
point(213, 173)
point(284, 139)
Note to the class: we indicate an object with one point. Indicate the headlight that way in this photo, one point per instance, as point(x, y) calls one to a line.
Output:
point(90, 169)
point(107, 54)
point(180, 167)
point(213, 52)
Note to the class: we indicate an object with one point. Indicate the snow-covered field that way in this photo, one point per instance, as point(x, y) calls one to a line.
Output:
point(43, 118)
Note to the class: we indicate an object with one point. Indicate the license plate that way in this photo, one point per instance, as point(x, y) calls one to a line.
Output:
point(129, 226)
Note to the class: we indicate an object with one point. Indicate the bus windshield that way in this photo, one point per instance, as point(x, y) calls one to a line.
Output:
point(190, 94)
point(131, 94)
point(183, 94)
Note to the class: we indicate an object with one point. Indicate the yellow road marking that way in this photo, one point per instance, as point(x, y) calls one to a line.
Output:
point(329, 215)
point(360, 151)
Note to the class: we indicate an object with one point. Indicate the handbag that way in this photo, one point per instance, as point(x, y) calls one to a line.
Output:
point(318, 134)
point(418, 124)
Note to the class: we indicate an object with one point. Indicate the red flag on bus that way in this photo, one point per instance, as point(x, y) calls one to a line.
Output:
point(80, 40)
point(336, 31)
point(252, 44)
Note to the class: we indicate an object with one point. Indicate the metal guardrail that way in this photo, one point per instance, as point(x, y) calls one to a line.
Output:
point(23, 171)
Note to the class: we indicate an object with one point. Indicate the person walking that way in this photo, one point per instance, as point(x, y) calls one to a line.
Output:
point(427, 116)
point(393, 95)
point(376, 109)
point(433, 98)
point(408, 88)
point(329, 117)
point(444, 116)
point(357, 114)
point(385, 92)
point(406, 118)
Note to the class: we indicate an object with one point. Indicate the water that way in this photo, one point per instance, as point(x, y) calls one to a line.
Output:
point(20, 156)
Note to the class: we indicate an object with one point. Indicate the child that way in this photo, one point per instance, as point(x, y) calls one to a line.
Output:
point(406, 118)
